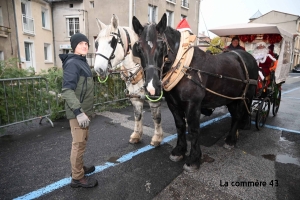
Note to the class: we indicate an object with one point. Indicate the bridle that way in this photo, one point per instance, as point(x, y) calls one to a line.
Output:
point(112, 55)
point(160, 38)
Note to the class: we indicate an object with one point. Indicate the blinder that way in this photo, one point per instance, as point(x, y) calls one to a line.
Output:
point(113, 44)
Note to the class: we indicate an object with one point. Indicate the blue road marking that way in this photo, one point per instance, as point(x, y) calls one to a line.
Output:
point(290, 90)
point(282, 129)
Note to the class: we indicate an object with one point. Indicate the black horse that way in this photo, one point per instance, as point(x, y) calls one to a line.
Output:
point(210, 81)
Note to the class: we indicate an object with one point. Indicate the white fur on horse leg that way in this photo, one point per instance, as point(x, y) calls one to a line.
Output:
point(175, 158)
point(191, 169)
point(156, 140)
point(136, 136)
point(156, 115)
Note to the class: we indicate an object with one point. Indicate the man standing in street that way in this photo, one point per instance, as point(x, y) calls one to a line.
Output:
point(78, 93)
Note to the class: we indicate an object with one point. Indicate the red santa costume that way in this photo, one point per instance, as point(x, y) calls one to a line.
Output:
point(264, 57)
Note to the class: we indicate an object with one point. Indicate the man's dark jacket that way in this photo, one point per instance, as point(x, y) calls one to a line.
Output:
point(78, 85)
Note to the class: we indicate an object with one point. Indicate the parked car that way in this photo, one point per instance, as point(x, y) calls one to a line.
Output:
point(296, 69)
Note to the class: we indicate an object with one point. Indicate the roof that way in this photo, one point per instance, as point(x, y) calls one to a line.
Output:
point(249, 29)
point(296, 16)
point(256, 15)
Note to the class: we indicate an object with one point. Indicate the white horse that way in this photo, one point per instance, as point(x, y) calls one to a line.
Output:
point(113, 48)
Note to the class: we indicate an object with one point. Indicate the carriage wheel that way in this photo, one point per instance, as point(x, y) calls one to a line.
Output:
point(262, 113)
point(276, 100)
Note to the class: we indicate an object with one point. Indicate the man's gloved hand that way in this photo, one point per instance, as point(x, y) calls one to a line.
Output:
point(83, 120)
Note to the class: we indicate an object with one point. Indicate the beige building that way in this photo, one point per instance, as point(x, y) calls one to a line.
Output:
point(71, 16)
point(8, 38)
point(35, 33)
point(26, 33)
point(288, 22)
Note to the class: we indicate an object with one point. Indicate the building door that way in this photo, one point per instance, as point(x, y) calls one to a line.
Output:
point(28, 55)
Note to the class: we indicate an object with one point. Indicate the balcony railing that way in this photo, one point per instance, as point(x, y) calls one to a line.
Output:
point(4, 31)
point(28, 24)
point(185, 4)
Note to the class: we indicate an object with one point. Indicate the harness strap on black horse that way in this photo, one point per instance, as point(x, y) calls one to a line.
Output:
point(247, 82)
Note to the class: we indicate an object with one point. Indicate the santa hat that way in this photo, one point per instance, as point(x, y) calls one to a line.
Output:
point(183, 26)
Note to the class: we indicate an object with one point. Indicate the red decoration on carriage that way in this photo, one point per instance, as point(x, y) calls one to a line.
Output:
point(247, 38)
point(272, 38)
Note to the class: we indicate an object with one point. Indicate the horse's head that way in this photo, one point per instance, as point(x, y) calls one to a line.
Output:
point(152, 50)
point(109, 47)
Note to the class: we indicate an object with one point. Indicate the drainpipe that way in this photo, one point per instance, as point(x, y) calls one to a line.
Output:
point(130, 13)
point(134, 7)
point(54, 43)
point(17, 35)
point(199, 18)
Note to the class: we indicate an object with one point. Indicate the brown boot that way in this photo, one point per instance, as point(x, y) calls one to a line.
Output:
point(85, 182)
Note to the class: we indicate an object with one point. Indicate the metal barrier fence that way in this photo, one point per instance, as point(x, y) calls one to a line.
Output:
point(23, 99)
point(26, 99)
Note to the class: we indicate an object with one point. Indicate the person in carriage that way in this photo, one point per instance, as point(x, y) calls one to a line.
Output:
point(235, 44)
point(266, 60)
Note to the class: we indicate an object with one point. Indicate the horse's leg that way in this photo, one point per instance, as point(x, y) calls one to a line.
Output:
point(179, 151)
point(236, 109)
point(136, 136)
point(156, 116)
point(192, 162)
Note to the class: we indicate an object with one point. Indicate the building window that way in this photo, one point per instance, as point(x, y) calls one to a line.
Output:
point(45, 18)
point(183, 17)
point(92, 4)
point(27, 20)
point(27, 51)
point(170, 18)
point(185, 3)
point(152, 13)
point(1, 55)
point(72, 26)
point(1, 17)
point(47, 52)
point(71, 5)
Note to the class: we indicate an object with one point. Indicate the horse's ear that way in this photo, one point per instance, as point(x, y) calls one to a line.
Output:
point(100, 24)
point(114, 21)
point(137, 27)
point(162, 24)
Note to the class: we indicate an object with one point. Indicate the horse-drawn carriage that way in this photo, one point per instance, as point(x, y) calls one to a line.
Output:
point(190, 79)
point(268, 93)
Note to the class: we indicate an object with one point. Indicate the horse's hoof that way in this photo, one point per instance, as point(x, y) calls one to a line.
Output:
point(155, 143)
point(227, 146)
point(190, 169)
point(175, 158)
point(134, 140)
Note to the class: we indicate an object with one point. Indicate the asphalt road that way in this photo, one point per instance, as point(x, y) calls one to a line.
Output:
point(265, 164)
